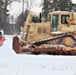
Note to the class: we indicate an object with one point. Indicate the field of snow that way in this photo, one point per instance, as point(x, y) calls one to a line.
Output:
point(28, 64)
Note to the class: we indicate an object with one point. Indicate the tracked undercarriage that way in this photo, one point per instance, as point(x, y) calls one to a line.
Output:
point(52, 45)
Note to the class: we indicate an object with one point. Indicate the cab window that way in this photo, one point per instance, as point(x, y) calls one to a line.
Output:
point(63, 19)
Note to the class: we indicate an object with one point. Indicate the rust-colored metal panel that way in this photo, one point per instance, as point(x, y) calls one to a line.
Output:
point(15, 44)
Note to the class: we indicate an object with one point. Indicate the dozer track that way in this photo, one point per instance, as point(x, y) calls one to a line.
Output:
point(57, 45)
point(54, 40)
point(52, 45)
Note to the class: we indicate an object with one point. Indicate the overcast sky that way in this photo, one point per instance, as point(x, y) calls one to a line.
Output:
point(16, 8)
point(74, 1)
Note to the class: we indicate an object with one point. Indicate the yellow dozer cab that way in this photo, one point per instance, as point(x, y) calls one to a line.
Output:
point(57, 36)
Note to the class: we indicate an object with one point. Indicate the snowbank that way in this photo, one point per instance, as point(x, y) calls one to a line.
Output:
point(28, 64)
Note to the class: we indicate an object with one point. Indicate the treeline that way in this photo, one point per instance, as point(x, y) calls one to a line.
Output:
point(4, 15)
point(47, 6)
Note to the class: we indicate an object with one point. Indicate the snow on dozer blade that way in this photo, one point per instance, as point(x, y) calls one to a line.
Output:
point(58, 50)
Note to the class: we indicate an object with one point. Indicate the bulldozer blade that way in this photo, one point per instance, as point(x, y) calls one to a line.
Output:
point(15, 45)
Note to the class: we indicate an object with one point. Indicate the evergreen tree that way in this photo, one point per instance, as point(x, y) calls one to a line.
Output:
point(5, 4)
point(55, 5)
point(65, 5)
point(74, 7)
point(20, 20)
point(45, 9)
point(1, 15)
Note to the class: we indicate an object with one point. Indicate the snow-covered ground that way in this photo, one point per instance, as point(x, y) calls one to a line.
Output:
point(28, 64)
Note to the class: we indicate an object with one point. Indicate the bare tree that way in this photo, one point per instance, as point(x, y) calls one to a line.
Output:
point(30, 4)
point(10, 1)
point(5, 7)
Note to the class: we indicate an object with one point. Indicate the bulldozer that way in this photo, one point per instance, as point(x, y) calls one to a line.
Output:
point(56, 36)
